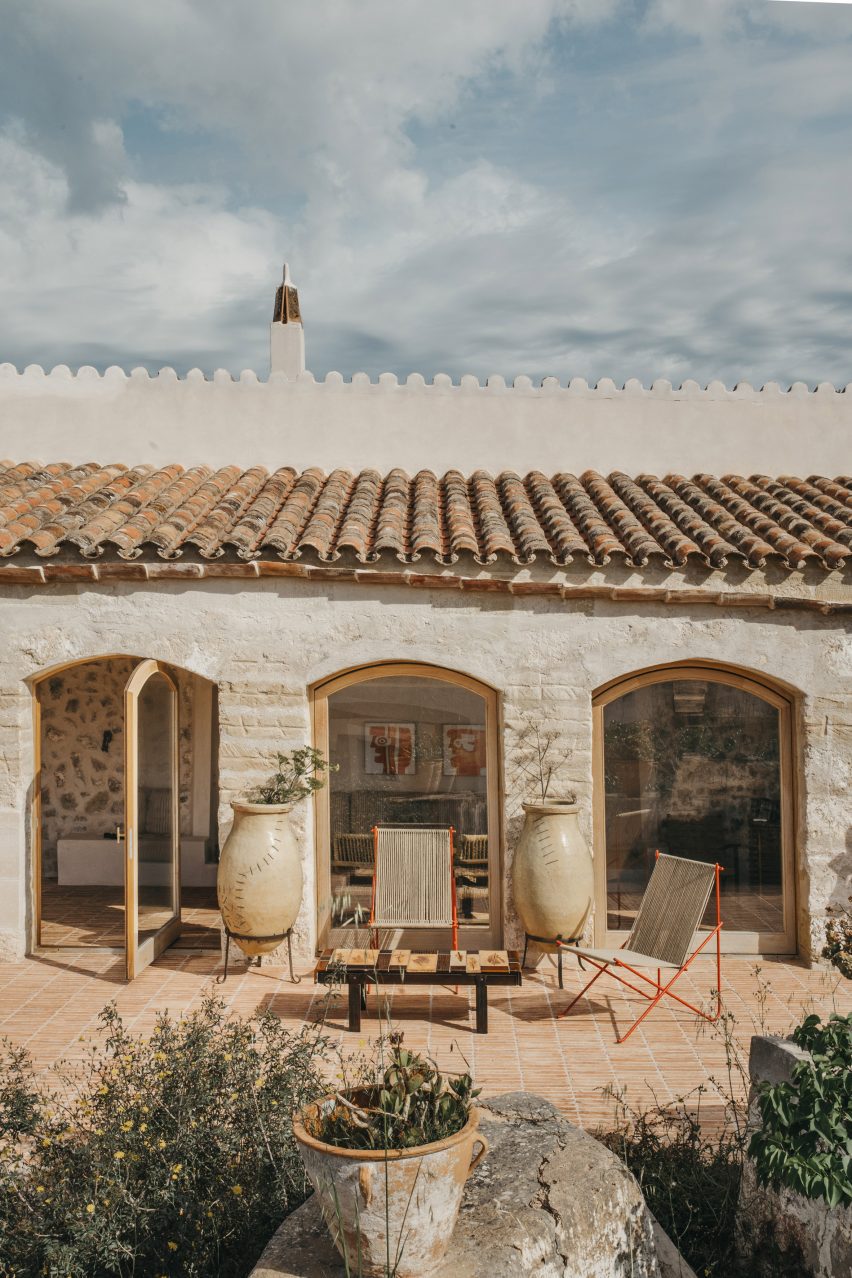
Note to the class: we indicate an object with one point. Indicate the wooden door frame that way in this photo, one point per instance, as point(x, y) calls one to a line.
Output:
point(319, 694)
point(747, 681)
point(139, 957)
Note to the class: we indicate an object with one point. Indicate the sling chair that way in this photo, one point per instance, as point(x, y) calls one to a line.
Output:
point(414, 884)
point(662, 935)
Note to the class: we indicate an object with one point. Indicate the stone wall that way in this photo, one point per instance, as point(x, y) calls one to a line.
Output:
point(82, 752)
point(265, 643)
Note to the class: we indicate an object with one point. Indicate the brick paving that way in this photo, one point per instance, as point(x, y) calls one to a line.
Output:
point(50, 1001)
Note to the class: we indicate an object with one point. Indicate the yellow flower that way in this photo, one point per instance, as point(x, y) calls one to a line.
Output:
point(90, 1207)
point(177, 1167)
point(143, 1127)
point(258, 1082)
point(227, 1056)
point(119, 1153)
point(127, 1127)
point(172, 1246)
point(236, 1189)
point(161, 1144)
point(39, 1189)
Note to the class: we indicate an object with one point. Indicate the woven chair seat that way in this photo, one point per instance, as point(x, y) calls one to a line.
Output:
point(633, 957)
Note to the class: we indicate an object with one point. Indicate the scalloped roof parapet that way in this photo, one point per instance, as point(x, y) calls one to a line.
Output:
point(416, 382)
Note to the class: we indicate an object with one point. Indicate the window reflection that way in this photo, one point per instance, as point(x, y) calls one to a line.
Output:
point(692, 767)
point(411, 751)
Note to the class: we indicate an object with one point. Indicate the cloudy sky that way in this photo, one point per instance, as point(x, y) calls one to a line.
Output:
point(593, 188)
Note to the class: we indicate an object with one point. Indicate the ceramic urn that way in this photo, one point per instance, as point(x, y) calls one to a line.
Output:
point(552, 876)
point(260, 882)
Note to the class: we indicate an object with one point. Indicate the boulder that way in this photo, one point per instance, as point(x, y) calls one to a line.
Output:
point(547, 1200)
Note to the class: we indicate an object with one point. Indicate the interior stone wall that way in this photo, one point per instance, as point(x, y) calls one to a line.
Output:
point(82, 752)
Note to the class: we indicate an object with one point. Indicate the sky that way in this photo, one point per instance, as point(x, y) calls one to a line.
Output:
point(569, 188)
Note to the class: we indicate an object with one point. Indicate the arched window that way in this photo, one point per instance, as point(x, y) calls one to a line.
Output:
point(695, 761)
point(415, 745)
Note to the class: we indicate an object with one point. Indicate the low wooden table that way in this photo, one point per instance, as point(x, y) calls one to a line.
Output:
point(358, 978)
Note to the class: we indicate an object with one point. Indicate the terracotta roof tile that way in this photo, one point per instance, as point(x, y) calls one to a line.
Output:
point(138, 512)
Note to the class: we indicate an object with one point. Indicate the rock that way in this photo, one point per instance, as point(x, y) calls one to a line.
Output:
point(772, 1059)
point(548, 1200)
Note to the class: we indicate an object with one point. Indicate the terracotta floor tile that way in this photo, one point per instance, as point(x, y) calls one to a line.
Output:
point(51, 1000)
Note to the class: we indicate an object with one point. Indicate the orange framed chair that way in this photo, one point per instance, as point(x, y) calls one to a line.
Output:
point(663, 936)
point(414, 883)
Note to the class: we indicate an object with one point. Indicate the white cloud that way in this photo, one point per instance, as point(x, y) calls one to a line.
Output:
point(296, 130)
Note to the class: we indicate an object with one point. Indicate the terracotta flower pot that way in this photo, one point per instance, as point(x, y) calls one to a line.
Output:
point(552, 874)
point(260, 882)
point(414, 1221)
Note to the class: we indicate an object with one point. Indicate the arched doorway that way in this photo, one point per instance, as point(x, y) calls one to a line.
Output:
point(124, 829)
point(415, 745)
point(696, 760)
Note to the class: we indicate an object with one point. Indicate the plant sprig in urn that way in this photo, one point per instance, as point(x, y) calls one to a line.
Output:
point(260, 880)
point(301, 772)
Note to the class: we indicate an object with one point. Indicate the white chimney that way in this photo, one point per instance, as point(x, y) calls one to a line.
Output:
point(286, 335)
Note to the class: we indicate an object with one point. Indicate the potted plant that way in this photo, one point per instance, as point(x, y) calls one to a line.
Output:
point(259, 881)
point(389, 1162)
point(552, 875)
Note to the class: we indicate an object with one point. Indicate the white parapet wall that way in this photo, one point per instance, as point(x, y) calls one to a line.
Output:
point(415, 425)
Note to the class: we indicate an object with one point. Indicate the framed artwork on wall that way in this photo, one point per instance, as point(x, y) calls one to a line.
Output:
point(464, 750)
point(389, 749)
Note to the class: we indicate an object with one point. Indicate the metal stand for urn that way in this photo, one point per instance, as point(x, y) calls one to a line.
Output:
point(559, 942)
point(278, 938)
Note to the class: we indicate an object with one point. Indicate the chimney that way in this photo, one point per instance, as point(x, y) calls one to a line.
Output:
point(286, 335)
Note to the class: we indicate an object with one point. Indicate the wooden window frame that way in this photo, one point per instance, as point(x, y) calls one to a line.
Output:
point(746, 942)
point(319, 695)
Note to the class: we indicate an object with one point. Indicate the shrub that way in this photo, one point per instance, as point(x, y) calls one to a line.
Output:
point(805, 1138)
point(691, 1180)
point(168, 1154)
point(412, 1104)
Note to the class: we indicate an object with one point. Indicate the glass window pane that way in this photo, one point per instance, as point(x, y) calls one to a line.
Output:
point(692, 767)
point(155, 794)
point(411, 751)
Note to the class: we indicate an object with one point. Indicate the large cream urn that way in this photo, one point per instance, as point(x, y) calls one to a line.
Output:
point(552, 874)
point(260, 880)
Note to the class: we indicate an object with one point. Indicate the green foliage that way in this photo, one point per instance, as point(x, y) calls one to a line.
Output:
point(838, 939)
point(665, 747)
point(805, 1139)
point(165, 1155)
point(411, 1105)
point(300, 773)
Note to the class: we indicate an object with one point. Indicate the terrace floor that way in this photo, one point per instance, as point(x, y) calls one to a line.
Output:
point(49, 1003)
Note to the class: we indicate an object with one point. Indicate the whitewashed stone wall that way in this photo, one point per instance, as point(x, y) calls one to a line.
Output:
point(266, 642)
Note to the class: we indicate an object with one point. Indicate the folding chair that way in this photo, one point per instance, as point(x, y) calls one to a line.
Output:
point(662, 935)
point(413, 881)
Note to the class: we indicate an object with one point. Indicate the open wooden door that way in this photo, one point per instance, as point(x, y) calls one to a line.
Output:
point(152, 847)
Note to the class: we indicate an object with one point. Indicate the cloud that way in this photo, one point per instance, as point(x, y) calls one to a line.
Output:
point(587, 187)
